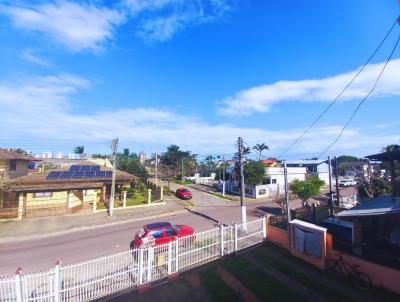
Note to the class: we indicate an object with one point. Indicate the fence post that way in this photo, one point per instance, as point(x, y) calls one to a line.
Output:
point(264, 226)
point(140, 266)
point(18, 285)
point(94, 202)
point(150, 258)
point(149, 196)
point(57, 281)
point(124, 199)
point(169, 258)
point(221, 238)
point(235, 235)
point(176, 255)
point(161, 192)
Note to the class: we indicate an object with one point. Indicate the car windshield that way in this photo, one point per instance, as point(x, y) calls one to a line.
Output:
point(178, 228)
point(185, 190)
point(141, 233)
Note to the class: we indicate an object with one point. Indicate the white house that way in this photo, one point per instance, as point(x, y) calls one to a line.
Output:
point(316, 167)
point(273, 182)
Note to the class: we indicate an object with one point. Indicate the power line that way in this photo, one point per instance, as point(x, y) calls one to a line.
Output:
point(364, 99)
point(340, 94)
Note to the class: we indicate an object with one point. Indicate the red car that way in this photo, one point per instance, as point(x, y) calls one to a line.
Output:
point(160, 232)
point(183, 193)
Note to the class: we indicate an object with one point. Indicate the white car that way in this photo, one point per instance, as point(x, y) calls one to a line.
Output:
point(347, 182)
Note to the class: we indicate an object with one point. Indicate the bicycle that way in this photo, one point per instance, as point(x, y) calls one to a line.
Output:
point(335, 268)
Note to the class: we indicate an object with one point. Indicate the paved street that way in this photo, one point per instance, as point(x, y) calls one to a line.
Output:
point(40, 254)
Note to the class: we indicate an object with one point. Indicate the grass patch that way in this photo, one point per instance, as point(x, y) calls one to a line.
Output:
point(328, 293)
point(262, 284)
point(232, 198)
point(217, 288)
point(138, 199)
point(183, 182)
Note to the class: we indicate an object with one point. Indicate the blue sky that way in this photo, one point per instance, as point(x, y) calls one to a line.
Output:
point(196, 73)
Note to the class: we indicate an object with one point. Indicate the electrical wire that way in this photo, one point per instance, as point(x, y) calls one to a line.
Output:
point(340, 94)
point(363, 100)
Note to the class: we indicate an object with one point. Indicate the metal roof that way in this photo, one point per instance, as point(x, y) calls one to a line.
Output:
point(382, 205)
point(385, 156)
point(306, 162)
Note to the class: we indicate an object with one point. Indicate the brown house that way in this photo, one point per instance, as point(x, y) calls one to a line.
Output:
point(68, 190)
point(13, 164)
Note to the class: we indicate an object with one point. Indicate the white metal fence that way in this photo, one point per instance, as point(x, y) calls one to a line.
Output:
point(127, 270)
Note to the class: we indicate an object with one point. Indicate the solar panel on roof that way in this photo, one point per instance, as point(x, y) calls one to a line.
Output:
point(86, 168)
point(54, 175)
point(94, 168)
point(90, 174)
point(78, 174)
point(75, 168)
point(100, 174)
point(108, 174)
point(66, 175)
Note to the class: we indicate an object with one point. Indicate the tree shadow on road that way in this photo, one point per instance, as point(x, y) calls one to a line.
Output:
point(204, 216)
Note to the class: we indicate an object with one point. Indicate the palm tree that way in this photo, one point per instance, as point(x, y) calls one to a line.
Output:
point(260, 148)
point(79, 149)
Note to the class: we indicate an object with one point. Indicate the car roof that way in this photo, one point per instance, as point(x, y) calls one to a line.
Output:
point(157, 225)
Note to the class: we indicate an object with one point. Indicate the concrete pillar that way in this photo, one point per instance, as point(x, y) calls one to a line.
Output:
point(94, 202)
point(149, 196)
point(124, 199)
point(20, 205)
point(69, 199)
point(161, 193)
point(103, 191)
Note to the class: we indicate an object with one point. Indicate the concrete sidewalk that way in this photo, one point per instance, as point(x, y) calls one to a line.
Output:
point(31, 228)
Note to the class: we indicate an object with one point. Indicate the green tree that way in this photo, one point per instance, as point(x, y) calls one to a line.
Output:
point(19, 150)
point(102, 156)
point(347, 159)
point(305, 189)
point(174, 157)
point(253, 172)
point(129, 162)
point(260, 148)
point(390, 148)
point(79, 149)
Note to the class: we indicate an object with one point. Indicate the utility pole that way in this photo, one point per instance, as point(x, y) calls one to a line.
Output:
point(242, 187)
point(156, 168)
point(114, 147)
point(337, 180)
point(330, 187)
point(182, 168)
point(223, 175)
point(287, 204)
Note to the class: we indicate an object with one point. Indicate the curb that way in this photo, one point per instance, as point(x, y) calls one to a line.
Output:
point(85, 228)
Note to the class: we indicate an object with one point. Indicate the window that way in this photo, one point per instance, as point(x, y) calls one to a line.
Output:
point(266, 181)
point(262, 192)
point(274, 181)
point(170, 232)
point(13, 165)
point(42, 194)
point(157, 234)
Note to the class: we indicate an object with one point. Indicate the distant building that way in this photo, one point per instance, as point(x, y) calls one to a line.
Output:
point(318, 168)
point(142, 157)
point(47, 155)
point(74, 156)
point(59, 155)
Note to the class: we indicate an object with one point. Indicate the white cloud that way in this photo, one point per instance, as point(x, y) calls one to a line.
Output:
point(159, 20)
point(74, 26)
point(42, 110)
point(261, 98)
point(30, 56)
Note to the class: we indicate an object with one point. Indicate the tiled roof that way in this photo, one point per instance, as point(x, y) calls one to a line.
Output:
point(10, 155)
